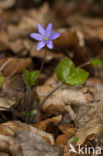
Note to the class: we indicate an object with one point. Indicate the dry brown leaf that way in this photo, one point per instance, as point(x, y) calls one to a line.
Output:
point(92, 82)
point(21, 46)
point(13, 126)
point(16, 65)
point(22, 30)
point(68, 130)
point(89, 27)
point(28, 22)
point(5, 4)
point(49, 56)
point(43, 124)
point(10, 145)
point(3, 41)
point(99, 110)
point(34, 145)
point(16, 46)
point(80, 20)
point(6, 103)
point(61, 140)
point(93, 127)
point(98, 96)
point(67, 39)
point(3, 154)
point(56, 103)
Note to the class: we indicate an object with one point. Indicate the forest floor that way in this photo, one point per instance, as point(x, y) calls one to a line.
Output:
point(72, 111)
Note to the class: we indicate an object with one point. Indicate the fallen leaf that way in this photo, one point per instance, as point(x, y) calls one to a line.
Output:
point(6, 103)
point(61, 140)
point(93, 127)
point(6, 4)
point(43, 124)
point(10, 145)
point(16, 65)
point(49, 56)
point(33, 144)
point(12, 126)
point(68, 130)
point(56, 103)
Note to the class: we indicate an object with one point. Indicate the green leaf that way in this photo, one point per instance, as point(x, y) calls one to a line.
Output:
point(77, 77)
point(64, 69)
point(31, 112)
point(26, 77)
point(74, 139)
point(2, 79)
point(33, 77)
point(96, 62)
point(30, 77)
point(68, 74)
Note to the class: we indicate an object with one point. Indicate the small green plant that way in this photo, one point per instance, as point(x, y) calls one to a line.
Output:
point(31, 112)
point(96, 62)
point(68, 74)
point(2, 79)
point(31, 77)
point(30, 81)
point(66, 71)
point(73, 140)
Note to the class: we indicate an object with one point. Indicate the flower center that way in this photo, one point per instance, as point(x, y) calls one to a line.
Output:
point(46, 38)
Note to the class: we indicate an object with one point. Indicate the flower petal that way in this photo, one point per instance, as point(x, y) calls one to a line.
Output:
point(50, 44)
point(36, 36)
point(49, 29)
point(40, 45)
point(41, 30)
point(54, 36)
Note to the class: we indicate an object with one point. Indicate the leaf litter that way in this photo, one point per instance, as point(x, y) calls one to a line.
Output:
point(70, 111)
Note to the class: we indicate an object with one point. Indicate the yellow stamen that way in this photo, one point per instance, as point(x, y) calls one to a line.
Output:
point(46, 38)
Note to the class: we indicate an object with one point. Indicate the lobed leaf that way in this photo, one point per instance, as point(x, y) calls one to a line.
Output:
point(68, 74)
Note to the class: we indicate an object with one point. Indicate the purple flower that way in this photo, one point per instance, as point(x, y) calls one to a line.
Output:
point(45, 36)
